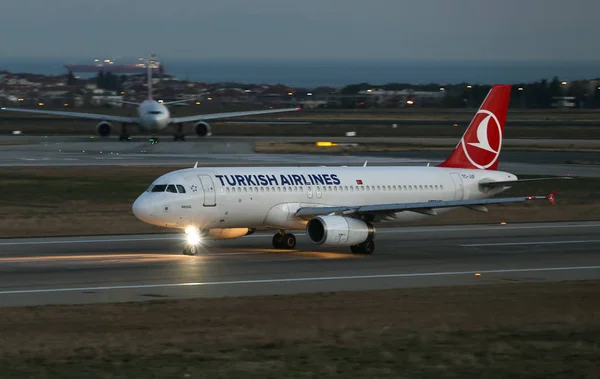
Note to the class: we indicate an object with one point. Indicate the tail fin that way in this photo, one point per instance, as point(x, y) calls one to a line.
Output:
point(150, 62)
point(479, 147)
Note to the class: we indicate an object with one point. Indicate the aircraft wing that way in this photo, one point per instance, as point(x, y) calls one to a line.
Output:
point(508, 183)
point(88, 116)
point(213, 116)
point(427, 207)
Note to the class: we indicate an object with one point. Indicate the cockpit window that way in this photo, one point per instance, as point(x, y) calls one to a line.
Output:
point(154, 112)
point(171, 188)
point(180, 188)
point(159, 188)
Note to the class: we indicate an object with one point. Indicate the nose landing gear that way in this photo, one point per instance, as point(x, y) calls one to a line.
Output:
point(192, 243)
point(190, 250)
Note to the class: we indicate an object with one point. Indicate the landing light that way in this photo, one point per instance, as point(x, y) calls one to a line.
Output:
point(192, 236)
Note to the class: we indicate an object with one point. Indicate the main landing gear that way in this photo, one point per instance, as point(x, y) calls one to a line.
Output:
point(179, 136)
point(284, 240)
point(124, 136)
point(366, 247)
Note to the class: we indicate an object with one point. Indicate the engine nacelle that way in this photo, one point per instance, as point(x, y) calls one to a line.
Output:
point(229, 233)
point(103, 128)
point(202, 129)
point(338, 231)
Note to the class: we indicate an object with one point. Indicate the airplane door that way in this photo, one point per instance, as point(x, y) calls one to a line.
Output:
point(309, 192)
point(209, 190)
point(459, 190)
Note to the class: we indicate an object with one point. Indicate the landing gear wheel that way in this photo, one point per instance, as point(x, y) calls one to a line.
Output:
point(190, 250)
point(366, 248)
point(286, 241)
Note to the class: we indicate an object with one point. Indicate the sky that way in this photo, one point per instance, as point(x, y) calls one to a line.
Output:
point(479, 30)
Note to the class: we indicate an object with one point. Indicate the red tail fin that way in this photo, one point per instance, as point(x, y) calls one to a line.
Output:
point(480, 146)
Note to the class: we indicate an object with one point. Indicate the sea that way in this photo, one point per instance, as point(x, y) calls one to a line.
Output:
point(338, 73)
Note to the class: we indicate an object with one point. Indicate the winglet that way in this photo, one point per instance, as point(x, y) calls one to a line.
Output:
point(365, 165)
point(550, 197)
point(196, 165)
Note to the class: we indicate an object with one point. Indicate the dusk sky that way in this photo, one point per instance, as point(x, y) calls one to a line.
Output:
point(309, 29)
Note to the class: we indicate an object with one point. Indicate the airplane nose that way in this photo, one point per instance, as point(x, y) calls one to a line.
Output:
point(142, 208)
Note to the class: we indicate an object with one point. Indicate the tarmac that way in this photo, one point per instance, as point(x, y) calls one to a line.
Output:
point(79, 270)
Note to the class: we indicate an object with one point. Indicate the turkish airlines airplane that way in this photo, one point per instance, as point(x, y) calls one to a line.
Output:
point(152, 117)
point(337, 206)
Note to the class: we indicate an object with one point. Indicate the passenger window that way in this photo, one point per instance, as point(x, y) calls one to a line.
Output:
point(227, 189)
point(181, 189)
point(159, 188)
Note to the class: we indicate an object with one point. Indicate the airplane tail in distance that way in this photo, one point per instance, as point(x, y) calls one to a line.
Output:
point(149, 73)
point(479, 147)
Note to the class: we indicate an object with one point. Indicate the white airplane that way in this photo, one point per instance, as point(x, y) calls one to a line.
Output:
point(337, 206)
point(153, 116)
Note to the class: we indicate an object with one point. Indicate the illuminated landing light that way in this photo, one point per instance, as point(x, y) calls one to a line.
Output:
point(193, 237)
point(477, 274)
point(503, 223)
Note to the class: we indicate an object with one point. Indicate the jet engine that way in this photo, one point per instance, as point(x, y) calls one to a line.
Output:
point(338, 231)
point(202, 129)
point(103, 129)
point(229, 233)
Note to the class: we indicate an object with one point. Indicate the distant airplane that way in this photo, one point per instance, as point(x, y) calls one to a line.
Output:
point(337, 206)
point(152, 116)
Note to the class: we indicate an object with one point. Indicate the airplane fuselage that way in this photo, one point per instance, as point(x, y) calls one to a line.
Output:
point(258, 197)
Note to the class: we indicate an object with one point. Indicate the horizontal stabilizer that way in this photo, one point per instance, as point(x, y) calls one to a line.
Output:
point(508, 183)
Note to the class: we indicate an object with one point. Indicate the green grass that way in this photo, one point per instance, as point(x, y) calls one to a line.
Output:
point(524, 330)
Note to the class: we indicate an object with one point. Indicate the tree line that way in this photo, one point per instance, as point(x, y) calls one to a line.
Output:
point(539, 94)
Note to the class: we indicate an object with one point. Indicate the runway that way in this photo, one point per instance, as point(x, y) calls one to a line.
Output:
point(133, 268)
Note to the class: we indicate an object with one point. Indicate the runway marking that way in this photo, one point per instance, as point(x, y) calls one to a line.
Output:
point(292, 280)
point(528, 243)
point(407, 229)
